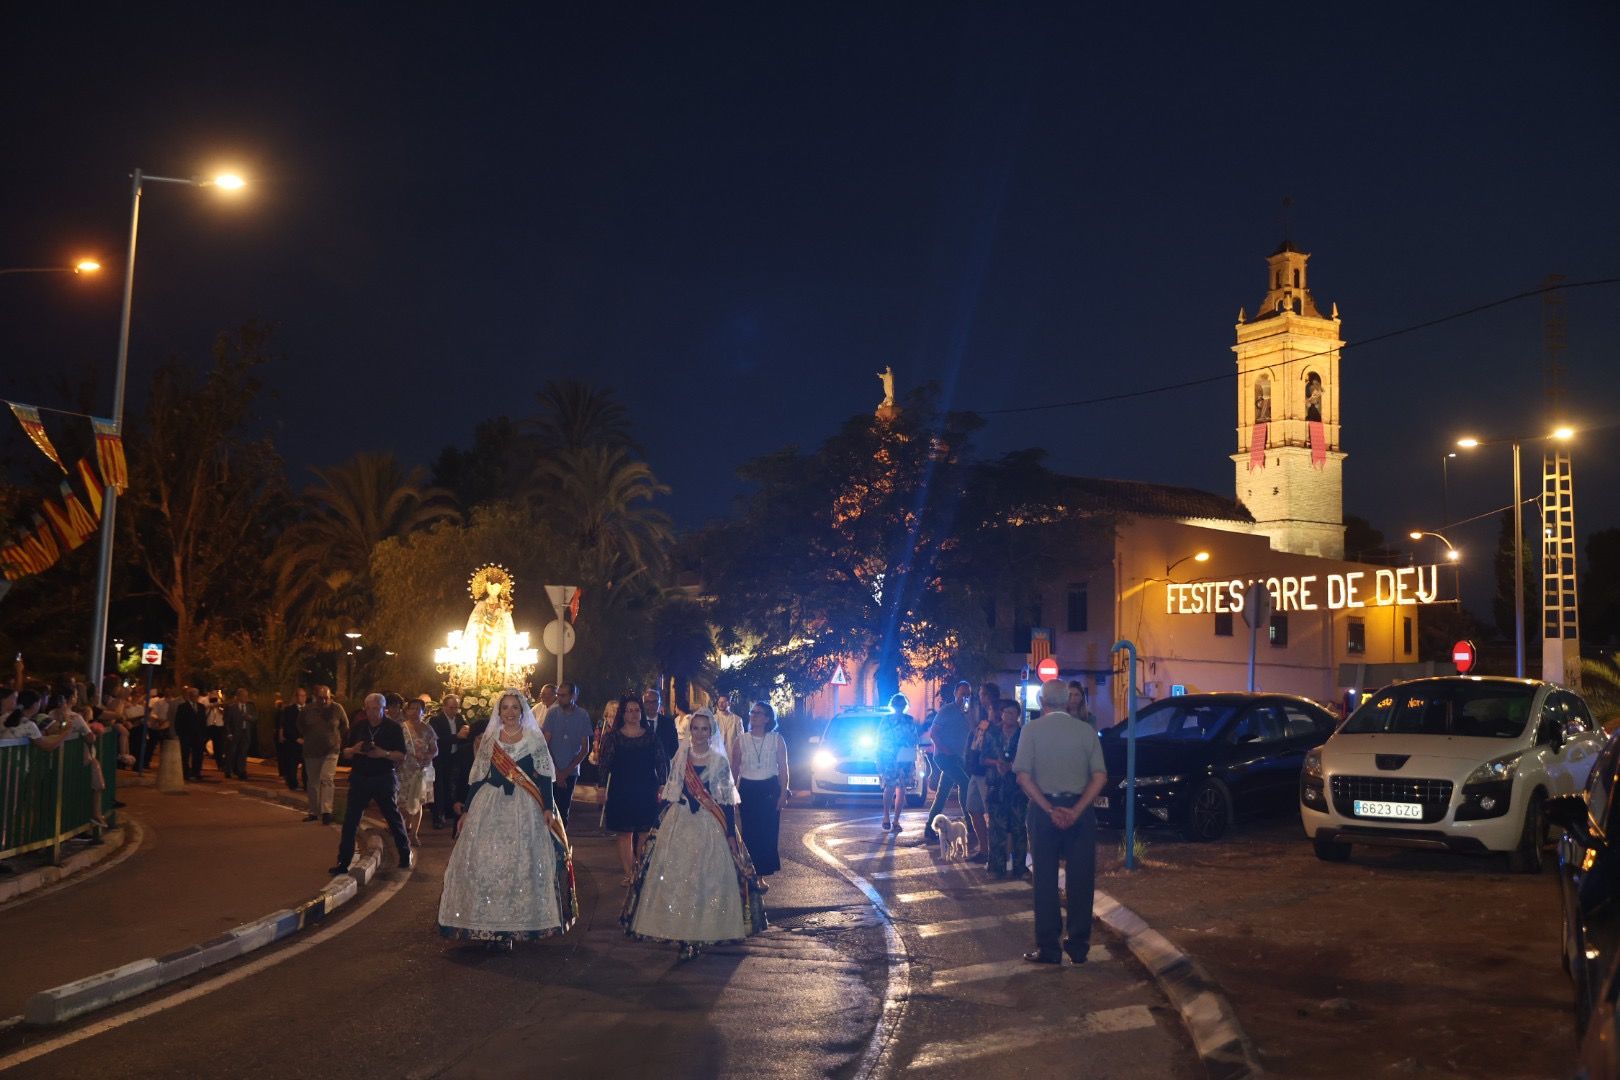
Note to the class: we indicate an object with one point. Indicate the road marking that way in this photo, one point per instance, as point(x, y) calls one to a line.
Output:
point(980, 922)
point(997, 969)
point(916, 897)
point(910, 871)
point(1128, 1018)
point(218, 982)
point(884, 853)
point(897, 987)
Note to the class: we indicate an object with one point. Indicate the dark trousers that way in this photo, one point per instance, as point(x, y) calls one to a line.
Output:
point(191, 753)
point(563, 792)
point(445, 770)
point(289, 759)
point(761, 823)
point(952, 774)
point(1009, 831)
point(1076, 846)
point(220, 741)
point(364, 790)
point(138, 741)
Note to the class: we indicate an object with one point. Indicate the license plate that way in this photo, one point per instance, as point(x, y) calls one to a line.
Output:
point(1101, 803)
point(873, 781)
point(1406, 811)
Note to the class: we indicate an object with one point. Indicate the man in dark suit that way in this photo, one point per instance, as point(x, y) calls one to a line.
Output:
point(454, 736)
point(190, 717)
point(289, 756)
point(663, 723)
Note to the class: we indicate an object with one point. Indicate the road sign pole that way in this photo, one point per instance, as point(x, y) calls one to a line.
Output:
point(1130, 750)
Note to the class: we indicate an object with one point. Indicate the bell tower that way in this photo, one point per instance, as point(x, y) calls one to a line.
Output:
point(1289, 465)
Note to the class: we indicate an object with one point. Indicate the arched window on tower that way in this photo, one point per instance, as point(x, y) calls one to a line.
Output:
point(1296, 277)
point(1313, 396)
point(1262, 400)
point(1278, 285)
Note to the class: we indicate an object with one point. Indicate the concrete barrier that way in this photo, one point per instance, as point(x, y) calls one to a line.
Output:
point(94, 992)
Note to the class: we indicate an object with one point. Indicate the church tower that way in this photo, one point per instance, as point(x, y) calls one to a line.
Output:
point(1290, 469)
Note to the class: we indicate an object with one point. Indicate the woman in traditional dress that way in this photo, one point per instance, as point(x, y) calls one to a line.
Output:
point(634, 763)
point(696, 886)
point(762, 781)
point(509, 877)
point(421, 746)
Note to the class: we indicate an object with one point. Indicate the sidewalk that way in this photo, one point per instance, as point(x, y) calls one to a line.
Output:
point(210, 860)
point(1398, 961)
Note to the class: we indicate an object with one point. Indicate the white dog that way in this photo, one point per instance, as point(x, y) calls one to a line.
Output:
point(953, 837)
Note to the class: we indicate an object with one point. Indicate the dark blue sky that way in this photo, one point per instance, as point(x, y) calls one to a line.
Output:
point(734, 216)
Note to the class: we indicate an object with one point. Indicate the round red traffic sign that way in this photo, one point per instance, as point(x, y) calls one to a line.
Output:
point(1047, 669)
point(1465, 656)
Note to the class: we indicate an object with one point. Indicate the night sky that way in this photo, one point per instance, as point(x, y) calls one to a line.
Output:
point(735, 216)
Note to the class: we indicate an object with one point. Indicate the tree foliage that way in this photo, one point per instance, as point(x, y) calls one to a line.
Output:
point(206, 499)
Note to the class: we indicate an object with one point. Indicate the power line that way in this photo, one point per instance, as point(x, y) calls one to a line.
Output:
point(1167, 387)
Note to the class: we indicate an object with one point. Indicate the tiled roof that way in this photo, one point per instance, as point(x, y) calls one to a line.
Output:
point(1084, 494)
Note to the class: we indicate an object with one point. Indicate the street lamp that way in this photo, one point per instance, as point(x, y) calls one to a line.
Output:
point(1197, 556)
point(83, 266)
point(1451, 553)
point(109, 502)
point(1562, 433)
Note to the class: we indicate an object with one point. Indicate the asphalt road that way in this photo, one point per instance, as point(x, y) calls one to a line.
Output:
point(377, 993)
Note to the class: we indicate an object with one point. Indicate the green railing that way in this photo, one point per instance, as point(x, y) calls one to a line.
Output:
point(46, 797)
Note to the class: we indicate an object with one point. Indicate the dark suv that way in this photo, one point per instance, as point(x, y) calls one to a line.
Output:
point(1589, 876)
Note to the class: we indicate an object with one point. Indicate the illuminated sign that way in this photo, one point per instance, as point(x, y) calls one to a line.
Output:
point(1394, 587)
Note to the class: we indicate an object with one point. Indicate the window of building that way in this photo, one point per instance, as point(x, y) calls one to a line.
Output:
point(1223, 624)
point(1078, 608)
point(1296, 277)
point(1355, 640)
point(1279, 630)
point(1406, 635)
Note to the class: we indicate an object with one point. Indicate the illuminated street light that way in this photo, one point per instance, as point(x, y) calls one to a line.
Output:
point(1563, 433)
point(109, 500)
point(1198, 556)
point(83, 266)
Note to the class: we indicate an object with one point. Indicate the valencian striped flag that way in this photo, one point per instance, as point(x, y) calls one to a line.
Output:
point(110, 454)
point(1040, 646)
point(1257, 447)
point(28, 417)
point(70, 517)
point(1318, 445)
point(92, 486)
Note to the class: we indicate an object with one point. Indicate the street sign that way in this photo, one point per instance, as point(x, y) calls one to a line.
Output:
point(1178, 690)
point(151, 654)
point(560, 596)
point(1465, 656)
point(1257, 605)
point(558, 637)
point(838, 676)
point(1047, 669)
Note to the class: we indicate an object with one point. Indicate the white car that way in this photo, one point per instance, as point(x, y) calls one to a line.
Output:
point(1458, 763)
point(844, 763)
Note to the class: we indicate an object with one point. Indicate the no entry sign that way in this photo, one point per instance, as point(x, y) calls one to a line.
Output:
point(1047, 669)
point(1464, 655)
point(151, 655)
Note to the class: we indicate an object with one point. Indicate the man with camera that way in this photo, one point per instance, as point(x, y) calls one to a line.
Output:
point(375, 747)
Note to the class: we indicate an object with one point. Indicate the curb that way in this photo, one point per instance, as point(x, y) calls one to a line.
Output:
point(1222, 1046)
point(112, 841)
point(94, 992)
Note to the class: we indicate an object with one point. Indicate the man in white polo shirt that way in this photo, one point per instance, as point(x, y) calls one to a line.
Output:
point(1060, 767)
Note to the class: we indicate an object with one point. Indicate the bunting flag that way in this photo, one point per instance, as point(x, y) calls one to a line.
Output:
point(70, 517)
point(14, 564)
point(28, 417)
point(110, 453)
point(92, 486)
point(1257, 447)
point(1318, 445)
point(573, 606)
point(42, 545)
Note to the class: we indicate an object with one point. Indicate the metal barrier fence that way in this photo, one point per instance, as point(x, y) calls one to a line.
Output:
point(46, 796)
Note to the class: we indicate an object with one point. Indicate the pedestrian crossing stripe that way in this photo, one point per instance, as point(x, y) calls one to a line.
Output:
point(998, 969)
point(897, 852)
point(980, 922)
point(918, 897)
point(1007, 1043)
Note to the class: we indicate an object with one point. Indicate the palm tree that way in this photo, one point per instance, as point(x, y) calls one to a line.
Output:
point(1600, 686)
point(605, 493)
point(574, 415)
point(324, 561)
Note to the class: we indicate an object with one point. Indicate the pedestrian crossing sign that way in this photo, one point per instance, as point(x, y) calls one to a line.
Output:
point(838, 676)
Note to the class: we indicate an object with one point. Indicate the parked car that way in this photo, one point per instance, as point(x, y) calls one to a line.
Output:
point(1456, 763)
point(1589, 878)
point(1204, 759)
point(842, 759)
point(1600, 1049)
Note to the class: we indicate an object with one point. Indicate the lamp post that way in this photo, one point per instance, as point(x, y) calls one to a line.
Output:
point(109, 502)
point(1562, 434)
point(1198, 556)
point(1453, 555)
point(83, 266)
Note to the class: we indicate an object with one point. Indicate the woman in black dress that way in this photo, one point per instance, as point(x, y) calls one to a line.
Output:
point(635, 765)
point(761, 769)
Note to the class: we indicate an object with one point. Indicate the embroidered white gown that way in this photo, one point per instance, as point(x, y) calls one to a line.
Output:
point(688, 890)
point(501, 881)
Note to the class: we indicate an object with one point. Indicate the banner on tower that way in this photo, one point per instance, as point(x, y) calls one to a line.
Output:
point(1257, 447)
point(1318, 445)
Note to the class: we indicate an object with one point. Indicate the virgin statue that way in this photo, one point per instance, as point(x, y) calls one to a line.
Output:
point(489, 636)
